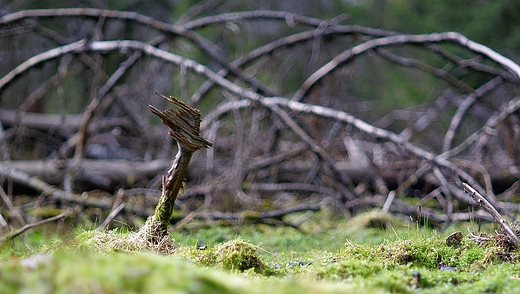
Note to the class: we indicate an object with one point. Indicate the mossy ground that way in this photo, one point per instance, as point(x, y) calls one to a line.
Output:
point(329, 258)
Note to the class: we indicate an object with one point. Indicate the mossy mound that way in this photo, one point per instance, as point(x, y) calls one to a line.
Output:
point(238, 255)
point(234, 255)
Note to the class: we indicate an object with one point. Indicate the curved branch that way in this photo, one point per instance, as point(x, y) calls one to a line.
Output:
point(26, 227)
point(424, 67)
point(198, 40)
point(454, 37)
point(508, 108)
point(287, 41)
point(290, 18)
point(39, 58)
point(492, 210)
point(463, 108)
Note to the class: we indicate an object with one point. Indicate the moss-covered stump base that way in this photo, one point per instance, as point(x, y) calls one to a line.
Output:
point(234, 255)
point(112, 241)
point(153, 232)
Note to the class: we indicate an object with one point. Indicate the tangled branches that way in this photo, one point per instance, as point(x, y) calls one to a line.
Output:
point(301, 111)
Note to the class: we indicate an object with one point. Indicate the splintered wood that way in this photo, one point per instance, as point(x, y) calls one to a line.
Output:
point(184, 123)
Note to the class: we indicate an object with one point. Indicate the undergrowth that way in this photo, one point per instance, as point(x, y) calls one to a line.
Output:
point(394, 256)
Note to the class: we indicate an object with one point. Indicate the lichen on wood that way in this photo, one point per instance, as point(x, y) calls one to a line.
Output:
point(184, 123)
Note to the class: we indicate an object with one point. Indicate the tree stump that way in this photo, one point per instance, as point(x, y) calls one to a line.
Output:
point(184, 123)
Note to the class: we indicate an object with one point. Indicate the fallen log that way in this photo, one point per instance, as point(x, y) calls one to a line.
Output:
point(88, 174)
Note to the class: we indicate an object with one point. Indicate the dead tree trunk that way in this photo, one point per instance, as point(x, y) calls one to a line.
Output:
point(184, 123)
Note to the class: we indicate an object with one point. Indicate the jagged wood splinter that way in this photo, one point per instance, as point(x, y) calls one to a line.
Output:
point(493, 211)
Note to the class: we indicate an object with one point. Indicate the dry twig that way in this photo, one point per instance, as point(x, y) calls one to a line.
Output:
point(26, 227)
point(492, 210)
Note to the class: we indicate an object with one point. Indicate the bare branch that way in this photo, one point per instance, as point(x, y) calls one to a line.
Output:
point(492, 210)
point(398, 40)
point(463, 108)
point(39, 58)
point(291, 104)
point(21, 230)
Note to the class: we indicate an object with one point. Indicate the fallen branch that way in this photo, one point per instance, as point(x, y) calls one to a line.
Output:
point(273, 102)
point(21, 230)
point(492, 210)
point(39, 58)
point(272, 141)
point(274, 217)
point(454, 37)
point(103, 174)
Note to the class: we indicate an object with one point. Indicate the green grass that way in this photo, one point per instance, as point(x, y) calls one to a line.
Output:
point(330, 257)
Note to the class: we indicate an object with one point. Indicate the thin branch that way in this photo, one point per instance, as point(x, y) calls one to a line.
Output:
point(454, 37)
point(45, 87)
point(449, 199)
point(492, 210)
point(507, 109)
point(424, 67)
point(111, 216)
point(287, 41)
point(300, 132)
point(388, 201)
point(474, 63)
point(20, 231)
point(464, 107)
point(39, 58)
point(15, 210)
point(201, 42)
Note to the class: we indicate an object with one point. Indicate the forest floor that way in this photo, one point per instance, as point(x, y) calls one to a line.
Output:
point(368, 254)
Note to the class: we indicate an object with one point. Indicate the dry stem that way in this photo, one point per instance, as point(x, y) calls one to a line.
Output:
point(491, 209)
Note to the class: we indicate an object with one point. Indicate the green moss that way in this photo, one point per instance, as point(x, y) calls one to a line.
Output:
point(393, 282)
point(43, 239)
point(423, 253)
point(274, 260)
point(140, 273)
point(239, 255)
point(350, 268)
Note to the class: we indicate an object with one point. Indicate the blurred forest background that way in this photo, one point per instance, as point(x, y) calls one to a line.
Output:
point(343, 105)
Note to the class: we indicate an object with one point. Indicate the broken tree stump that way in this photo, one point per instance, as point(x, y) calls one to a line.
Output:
point(184, 123)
